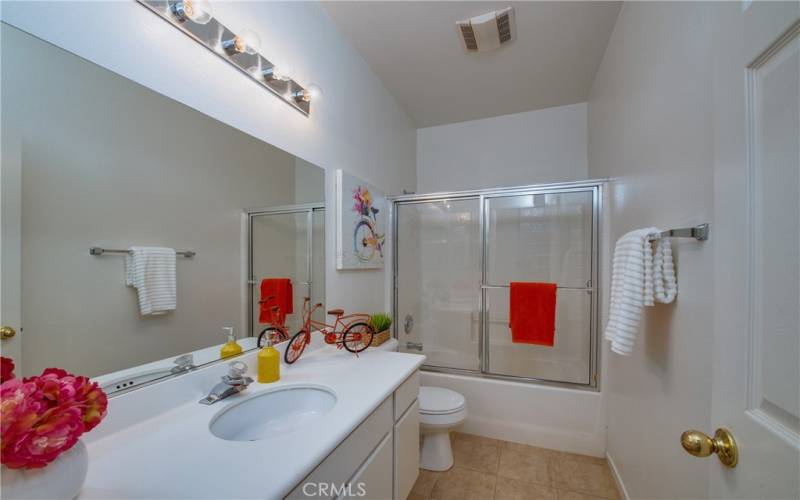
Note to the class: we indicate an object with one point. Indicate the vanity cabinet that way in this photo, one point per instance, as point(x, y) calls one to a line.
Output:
point(379, 459)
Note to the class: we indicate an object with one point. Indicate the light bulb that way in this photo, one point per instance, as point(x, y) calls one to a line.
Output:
point(245, 42)
point(282, 72)
point(199, 11)
point(311, 93)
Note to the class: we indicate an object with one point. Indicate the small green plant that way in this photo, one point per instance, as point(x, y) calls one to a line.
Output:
point(380, 322)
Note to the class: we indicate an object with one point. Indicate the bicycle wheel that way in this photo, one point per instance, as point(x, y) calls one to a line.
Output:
point(357, 337)
point(362, 236)
point(278, 335)
point(295, 348)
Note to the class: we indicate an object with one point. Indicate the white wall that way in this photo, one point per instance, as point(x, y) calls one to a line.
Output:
point(650, 130)
point(547, 145)
point(358, 126)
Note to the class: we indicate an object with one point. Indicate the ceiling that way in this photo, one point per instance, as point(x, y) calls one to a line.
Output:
point(414, 49)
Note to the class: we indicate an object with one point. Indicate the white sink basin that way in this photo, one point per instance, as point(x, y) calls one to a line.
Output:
point(275, 412)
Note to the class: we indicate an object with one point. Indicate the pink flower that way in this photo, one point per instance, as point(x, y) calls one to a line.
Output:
point(42, 417)
point(55, 386)
point(6, 369)
point(35, 446)
point(94, 401)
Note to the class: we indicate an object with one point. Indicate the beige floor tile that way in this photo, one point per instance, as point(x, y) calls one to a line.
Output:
point(463, 484)
point(476, 453)
point(529, 466)
point(574, 495)
point(585, 477)
point(425, 482)
point(513, 489)
point(563, 455)
point(466, 440)
point(530, 450)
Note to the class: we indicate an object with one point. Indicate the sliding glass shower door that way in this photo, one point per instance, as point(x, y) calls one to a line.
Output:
point(540, 238)
point(438, 281)
point(455, 259)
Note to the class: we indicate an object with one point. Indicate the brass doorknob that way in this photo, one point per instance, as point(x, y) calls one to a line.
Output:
point(7, 332)
point(700, 445)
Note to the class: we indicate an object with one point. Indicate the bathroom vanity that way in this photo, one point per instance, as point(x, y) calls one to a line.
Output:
point(338, 426)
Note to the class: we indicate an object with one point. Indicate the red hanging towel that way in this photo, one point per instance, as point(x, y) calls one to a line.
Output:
point(532, 313)
point(275, 292)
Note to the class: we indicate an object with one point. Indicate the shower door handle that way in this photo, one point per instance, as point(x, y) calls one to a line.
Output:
point(408, 324)
point(414, 345)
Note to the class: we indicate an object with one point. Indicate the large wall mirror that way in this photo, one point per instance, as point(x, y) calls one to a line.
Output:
point(91, 159)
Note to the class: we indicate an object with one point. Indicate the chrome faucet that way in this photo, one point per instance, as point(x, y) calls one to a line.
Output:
point(183, 363)
point(232, 383)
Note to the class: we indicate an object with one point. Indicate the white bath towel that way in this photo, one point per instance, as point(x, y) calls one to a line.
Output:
point(151, 270)
point(631, 288)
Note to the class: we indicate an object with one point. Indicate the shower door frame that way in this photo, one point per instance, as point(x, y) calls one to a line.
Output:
point(309, 209)
point(482, 196)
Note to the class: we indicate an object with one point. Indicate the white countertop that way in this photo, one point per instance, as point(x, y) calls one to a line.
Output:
point(172, 454)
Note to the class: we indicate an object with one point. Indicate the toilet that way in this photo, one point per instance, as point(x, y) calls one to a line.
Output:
point(440, 411)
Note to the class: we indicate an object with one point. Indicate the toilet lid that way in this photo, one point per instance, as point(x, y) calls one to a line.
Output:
point(438, 400)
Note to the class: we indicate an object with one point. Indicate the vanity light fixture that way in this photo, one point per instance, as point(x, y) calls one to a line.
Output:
point(199, 11)
point(246, 42)
point(239, 48)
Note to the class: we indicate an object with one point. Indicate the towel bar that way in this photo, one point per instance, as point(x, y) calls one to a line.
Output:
point(100, 251)
point(700, 233)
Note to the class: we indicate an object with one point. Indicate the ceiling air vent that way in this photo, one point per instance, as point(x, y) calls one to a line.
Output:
point(487, 31)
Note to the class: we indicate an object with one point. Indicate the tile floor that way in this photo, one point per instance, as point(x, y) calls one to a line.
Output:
point(487, 469)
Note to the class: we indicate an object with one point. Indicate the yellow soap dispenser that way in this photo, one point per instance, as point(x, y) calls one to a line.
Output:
point(269, 363)
point(231, 348)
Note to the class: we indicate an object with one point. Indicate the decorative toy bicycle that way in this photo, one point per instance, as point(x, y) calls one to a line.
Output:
point(353, 332)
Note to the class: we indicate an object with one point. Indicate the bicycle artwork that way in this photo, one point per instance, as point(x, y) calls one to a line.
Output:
point(361, 223)
point(366, 238)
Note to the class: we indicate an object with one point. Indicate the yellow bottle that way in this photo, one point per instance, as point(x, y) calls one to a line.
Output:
point(231, 348)
point(269, 364)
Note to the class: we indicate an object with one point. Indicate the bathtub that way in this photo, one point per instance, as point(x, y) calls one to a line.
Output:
point(565, 419)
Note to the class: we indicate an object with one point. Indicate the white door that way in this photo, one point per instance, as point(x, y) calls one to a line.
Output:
point(756, 379)
point(10, 246)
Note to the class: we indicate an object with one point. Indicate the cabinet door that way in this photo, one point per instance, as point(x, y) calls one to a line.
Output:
point(374, 480)
point(406, 452)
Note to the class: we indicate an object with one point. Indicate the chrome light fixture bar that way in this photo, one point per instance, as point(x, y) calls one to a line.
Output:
point(193, 18)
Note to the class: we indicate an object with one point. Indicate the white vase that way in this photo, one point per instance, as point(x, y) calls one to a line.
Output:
point(61, 479)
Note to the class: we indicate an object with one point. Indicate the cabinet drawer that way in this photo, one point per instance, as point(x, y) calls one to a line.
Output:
point(374, 480)
point(406, 451)
point(406, 394)
point(345, 460)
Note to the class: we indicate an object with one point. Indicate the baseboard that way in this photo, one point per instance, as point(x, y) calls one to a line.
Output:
point(617, 477)
point(543, 437)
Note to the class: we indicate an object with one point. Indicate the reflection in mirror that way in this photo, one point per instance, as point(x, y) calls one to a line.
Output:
point(91, 159)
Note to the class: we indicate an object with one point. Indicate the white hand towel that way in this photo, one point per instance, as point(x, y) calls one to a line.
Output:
point(631, 288)
point(151, 270)
point(666, 285)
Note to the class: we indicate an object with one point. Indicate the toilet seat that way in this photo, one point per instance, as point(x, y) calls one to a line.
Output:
point(439, 401)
